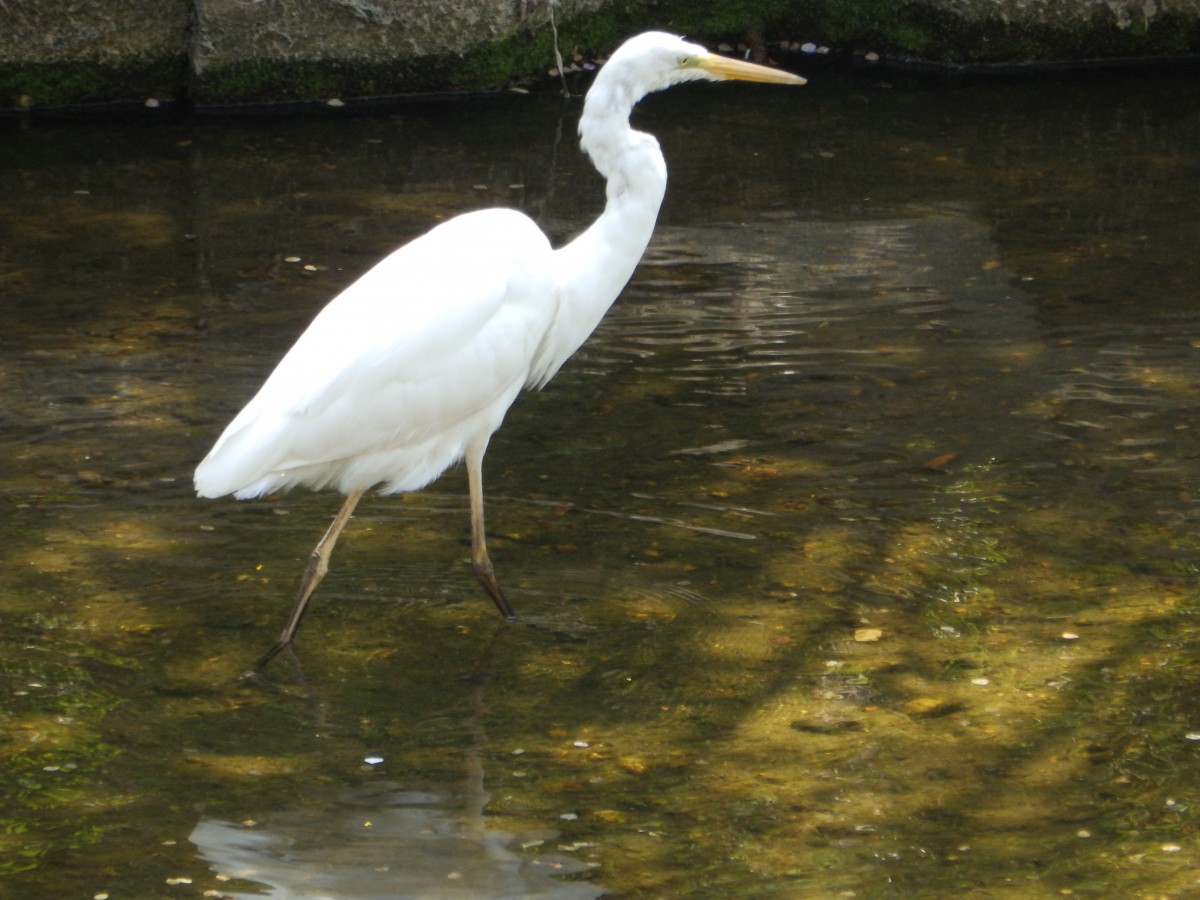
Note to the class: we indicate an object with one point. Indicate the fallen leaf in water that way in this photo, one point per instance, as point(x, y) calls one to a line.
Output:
point(939, 461)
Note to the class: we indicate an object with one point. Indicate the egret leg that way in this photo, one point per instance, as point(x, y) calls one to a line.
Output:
point(479, 556)
point(318, 565)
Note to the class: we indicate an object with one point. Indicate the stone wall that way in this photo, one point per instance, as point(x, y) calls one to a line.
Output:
point(65, 51)
point(58, 52)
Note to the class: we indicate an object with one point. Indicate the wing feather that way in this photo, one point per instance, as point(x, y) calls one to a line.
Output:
point(422, 354)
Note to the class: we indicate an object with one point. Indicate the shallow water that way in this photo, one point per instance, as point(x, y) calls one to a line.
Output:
point(856, 553)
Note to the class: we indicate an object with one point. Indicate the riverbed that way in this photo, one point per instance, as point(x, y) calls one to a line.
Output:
point(854, 555)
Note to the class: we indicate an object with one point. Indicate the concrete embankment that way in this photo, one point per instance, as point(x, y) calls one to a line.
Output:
point(56, 53)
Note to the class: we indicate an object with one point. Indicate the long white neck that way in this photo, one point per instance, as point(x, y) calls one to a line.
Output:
point(592, 269)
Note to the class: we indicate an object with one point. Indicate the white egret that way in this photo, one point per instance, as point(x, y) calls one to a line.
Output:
point(413, 366)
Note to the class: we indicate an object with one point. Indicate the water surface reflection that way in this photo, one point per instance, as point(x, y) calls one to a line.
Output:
point(856, 551)
point(382, 842)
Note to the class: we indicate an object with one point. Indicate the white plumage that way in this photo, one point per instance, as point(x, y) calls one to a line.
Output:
point(413, 366)
point(402, 370)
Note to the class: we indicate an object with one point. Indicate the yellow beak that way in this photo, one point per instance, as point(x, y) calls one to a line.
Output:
point(736, 69)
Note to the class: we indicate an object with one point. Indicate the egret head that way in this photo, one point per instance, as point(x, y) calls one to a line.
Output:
point(656, 60)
